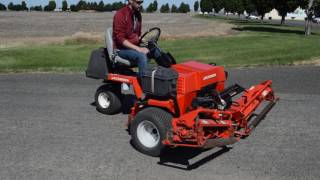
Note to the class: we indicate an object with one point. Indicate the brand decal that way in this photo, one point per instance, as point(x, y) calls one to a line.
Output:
point(120, 79)
point(210, 76)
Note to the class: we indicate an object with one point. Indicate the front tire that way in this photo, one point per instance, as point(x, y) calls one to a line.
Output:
point(149, 128)
point(107, 101)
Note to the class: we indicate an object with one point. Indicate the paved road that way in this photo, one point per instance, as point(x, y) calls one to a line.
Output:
point(49, 130)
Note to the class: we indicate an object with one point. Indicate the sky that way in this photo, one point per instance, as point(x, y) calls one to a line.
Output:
point(59, 2)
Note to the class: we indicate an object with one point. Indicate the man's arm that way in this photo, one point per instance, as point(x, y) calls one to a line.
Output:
point(119, 28)
point(129, 45)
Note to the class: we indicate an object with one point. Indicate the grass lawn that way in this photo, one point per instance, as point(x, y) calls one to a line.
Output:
point(45, 58)
point(254, 44)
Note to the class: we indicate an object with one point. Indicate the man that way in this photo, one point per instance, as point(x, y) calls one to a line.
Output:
point(127, 32)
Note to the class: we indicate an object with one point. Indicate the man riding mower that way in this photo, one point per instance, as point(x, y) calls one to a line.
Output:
point(183, 104)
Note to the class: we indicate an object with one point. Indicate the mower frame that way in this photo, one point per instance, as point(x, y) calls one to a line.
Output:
point(186, 119)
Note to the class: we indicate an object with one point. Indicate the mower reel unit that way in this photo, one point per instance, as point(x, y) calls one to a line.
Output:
point(185, 104)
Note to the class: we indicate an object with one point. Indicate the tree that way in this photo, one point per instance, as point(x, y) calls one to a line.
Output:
point(317, 8)
point(165, 8)
point(174, 9)
point(230, 6)
point(24, 6)
point(239, 7)
point(284, 7)
point(64, 5)
point(263, 7)
point(249, 6)
point(206, 6)
point(3, 7)
point(108, 7)
point(217, 5)
point(51, 6)
point(155, 5)
point(196, 6)
point(117, 5)
point(74, 8)
point(150, 8)
point(309, 12)
point(101, 6)
point(10, 6)
point(184, 8)
point(14, 7)
point(308, 5)
point(94, 6)
point(82, 5)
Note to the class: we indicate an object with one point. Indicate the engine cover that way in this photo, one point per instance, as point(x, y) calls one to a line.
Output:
point(194, 75)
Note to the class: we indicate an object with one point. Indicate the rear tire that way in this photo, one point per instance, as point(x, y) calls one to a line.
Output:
point(149, 128)
point(107, 100)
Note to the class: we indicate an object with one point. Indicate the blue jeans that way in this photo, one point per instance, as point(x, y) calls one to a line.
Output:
point(136, 57)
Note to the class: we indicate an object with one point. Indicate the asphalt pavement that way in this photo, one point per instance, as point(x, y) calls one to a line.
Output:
point(50, 130)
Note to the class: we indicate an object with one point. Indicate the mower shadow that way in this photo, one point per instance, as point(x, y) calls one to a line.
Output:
point(180, 157)
point(255, 23)
point(269, 29)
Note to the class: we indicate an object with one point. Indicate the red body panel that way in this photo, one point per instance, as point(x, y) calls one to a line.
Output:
point(129, 80)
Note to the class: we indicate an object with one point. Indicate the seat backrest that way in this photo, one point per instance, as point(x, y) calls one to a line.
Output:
point(109, 42)
point(112, 56)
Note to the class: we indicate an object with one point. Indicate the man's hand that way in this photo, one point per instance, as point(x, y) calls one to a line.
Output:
point(143, 50)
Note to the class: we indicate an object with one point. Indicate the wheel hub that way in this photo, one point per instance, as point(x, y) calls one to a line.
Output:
point(104, 100)
point(148, 134)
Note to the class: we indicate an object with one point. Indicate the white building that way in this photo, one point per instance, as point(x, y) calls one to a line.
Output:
point(298, 14)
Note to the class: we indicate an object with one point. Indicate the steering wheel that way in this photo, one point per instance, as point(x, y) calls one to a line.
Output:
point(150, 37)
point(149, 40)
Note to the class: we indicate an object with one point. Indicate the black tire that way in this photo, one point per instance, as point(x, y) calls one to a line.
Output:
point(161, 120)
point(112, 96)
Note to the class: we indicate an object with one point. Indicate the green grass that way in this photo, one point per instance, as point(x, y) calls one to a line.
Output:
point(254, 43)
point(245, 50)
point(45, 58)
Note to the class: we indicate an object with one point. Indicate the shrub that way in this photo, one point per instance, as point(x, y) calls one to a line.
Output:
point(74, 8)
point(36, 8)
